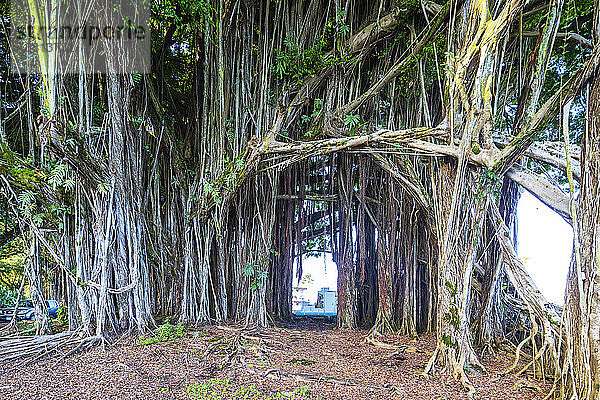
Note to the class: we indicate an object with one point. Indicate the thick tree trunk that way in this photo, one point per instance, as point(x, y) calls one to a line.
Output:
point(461, 232)
point(581, 369)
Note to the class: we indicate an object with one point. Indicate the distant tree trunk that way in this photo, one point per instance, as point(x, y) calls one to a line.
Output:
point(367, 258)
point(387, 260)
point(280, 287)
point(344, 252)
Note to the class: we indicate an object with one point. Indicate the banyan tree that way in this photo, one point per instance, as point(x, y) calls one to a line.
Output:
point(396, 135)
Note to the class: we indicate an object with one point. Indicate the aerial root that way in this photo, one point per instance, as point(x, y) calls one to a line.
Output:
point(430, 368)
point(517, 357)
point(26, 350)
point(488, 349)
point(461, 376)
point(537, 356)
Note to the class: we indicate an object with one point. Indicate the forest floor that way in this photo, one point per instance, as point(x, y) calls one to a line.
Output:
point(302, 361)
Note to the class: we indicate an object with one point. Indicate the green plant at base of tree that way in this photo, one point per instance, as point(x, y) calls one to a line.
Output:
point(163, 333)
point(217, 389)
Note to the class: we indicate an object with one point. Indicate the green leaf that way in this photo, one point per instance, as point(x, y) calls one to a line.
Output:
point(103, 187)
point(262, 274)
point(318, 104)
point(69, 184)
point(58, 175)
point(38, 219)
point(352, 121)
point(27, 202)
point(239, 163)
point(248, 270)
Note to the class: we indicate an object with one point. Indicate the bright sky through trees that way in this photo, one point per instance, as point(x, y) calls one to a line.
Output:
point(545, 245)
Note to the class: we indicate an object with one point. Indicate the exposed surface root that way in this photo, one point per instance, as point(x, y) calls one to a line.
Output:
point(455, 366)
point(311, 378)
point(26, 350)
point(398, 352)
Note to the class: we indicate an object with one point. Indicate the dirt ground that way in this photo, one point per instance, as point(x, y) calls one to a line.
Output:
point(326, 363)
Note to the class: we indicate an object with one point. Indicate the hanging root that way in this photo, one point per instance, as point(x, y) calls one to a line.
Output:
point(488, 349)
point(517, 357)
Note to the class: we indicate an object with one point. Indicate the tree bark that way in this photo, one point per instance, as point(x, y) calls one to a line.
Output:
point(582, 300)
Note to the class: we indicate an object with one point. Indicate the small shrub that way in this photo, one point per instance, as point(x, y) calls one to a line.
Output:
point(7, 296)
point(25, 326)
point(163, 333)
point(62, 315)
point(225, 389)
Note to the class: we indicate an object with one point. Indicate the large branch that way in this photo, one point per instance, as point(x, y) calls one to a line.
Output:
point(301, 150)
point(545, 191)
point(568, 36)
point(552, 153)
point(358, 47)
point(504, 159)
point(400, 65)
point(537, 185)
point(408, 138)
